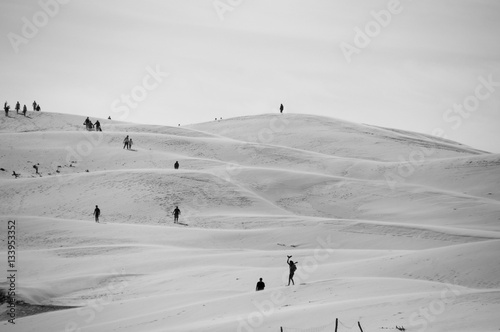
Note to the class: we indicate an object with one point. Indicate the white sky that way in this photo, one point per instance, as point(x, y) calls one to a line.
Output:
point(428, 57)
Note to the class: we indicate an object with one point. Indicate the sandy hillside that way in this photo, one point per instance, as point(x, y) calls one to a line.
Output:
point(390, 228)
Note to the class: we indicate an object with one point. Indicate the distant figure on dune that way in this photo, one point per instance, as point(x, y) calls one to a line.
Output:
point(97, 126)
point(6, 108)
point(176, 213)
point(38, 108)
point(281, 108)
point(25, 109)
point(36, 168)
point(125, 142)
point(18, 107)
point(109, 117)
point(34, 105)
point(130, 142)
point(15, 175)
point(85, 123)
point(260, 285)
point(176, 165)
point(293, 267)
point(97, 213)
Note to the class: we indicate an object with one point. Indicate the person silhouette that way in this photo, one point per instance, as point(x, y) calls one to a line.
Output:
point(18, 107)
point(281, 108)
point(260, 285)
point(176, 213)
point(176, 165)
point(97, 126)
point(292, 267)
point(97, 213)
point(6, 108)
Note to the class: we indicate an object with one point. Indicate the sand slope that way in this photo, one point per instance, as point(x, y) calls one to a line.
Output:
point(389, 227)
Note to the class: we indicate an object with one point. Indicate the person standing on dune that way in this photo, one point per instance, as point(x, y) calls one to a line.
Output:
point(18, 107)
point(97, 213)
point(176, 213)
point(260, 285)
point(292, 267)
point(125, 142)
point(6, 108)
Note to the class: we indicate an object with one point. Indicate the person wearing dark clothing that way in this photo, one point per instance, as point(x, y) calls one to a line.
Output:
point(125, 142)
point(86, 123)
point(6, 109)
point(109, 118)
point(34, 105)
point(293, 267)
point(260, 285)
point(176, 165)
point(281, 108)
point(97, 126)
point(38, 108)
point(130, 142)
point(176, 213)
point(97, 213)
point(36, 168)
point(25, 109)
point(18, 107)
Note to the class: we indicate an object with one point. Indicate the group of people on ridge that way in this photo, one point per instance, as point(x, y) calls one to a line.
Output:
point(89, 125)
point(6, 108)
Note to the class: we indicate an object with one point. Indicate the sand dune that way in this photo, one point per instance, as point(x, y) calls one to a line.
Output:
point(379, 238)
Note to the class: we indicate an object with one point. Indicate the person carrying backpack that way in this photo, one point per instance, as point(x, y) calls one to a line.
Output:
point(293, 268)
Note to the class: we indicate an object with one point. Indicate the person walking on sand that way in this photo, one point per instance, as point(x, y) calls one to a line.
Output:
point(176, 165)
point(97, 126)
point(97, 213)
point(260, 285)
point(293, 267)
point(281, 108)
point(130, 142)
point(18, 107)
point(125, 142)
point(34, 105)
point(25, 109)
point(176, 213)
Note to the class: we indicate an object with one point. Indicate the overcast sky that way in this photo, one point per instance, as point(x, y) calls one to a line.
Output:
point(430, 66)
